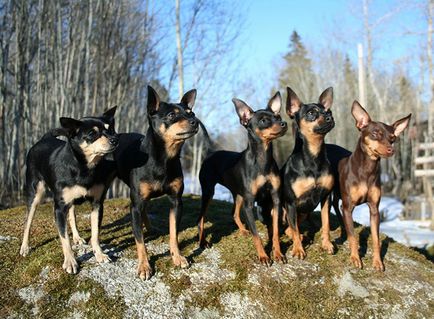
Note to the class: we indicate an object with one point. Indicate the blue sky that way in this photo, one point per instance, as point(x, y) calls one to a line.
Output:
point(335, 23)
point(325, 24)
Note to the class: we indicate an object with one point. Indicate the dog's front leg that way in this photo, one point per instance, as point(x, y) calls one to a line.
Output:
point(61, 212)
point(325, 221)
point(275, 213)
point(175, 215)
point(294, 231)
point(138, 209)
point(95, 220)
point(375, 229)
point(248, 210)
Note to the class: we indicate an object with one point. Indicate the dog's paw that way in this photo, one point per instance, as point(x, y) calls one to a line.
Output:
point(204, 244)
point(70, 265)
point(102, 258)
point(144, 271)
point(378, 265)
point(298, 252)
point(244, 232)
point(328, 247)
point(279, 257)
point(356, 261)
point(265, 260)
point(24, 251)
point(180, 261)
point(78, 241)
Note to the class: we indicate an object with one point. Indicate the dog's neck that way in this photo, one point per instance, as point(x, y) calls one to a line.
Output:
point(259, 151)
point(312, 149)
point(363, 157)
point(160, 149)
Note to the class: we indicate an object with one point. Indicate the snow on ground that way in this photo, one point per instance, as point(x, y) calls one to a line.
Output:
point(408, 232)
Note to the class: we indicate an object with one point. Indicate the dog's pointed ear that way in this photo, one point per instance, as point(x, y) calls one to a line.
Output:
point(401, 125)
point(189, 98)
point(245, 113)
point(326, 98)
point(110, 113)
point(293, 103)
point(153, 101)
point(70, 125)
point(360, 115)
point(275, 103)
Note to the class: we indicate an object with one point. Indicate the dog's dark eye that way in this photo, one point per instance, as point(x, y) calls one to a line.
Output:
point(171, 115)
point(92, 134)
point(263, 121)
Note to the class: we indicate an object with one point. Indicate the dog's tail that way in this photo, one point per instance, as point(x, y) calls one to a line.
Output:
point(208, 145)
point(55, 132)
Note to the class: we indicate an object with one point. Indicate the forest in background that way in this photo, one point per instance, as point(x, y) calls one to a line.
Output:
point(76, 58)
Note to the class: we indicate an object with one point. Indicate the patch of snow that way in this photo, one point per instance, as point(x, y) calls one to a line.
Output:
point(408, 232)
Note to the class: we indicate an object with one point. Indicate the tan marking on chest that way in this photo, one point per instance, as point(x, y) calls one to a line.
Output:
point(358, 191)
point(303, 185)
point(274, 180)
point(257, 184)
point(69, 194)
point(147, 188)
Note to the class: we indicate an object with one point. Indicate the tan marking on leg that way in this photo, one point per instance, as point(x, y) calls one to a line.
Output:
point(94, 239)
point(237, 218)
point(263, 258)
point(39, 194)
point(144, 270)
point(302, 185)
point(69, 264)
point(278, 256)
point(147, 188)
point(257, 184)
point(297, 246)
point(76, 239)
point(326, 243)
point(176, 185)
point(178, 260)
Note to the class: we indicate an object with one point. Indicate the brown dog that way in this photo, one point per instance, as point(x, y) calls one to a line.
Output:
point(359, 176)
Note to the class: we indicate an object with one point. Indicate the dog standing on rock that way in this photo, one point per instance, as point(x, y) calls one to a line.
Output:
point(306, 176)
point(74, 171)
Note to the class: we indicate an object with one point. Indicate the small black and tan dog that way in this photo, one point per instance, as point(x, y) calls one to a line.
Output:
point(306, 176)
point(150, 165)
point(251, 175)
point(74, 171)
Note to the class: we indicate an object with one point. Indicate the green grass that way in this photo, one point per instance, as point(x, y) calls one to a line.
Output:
point(310, 293)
